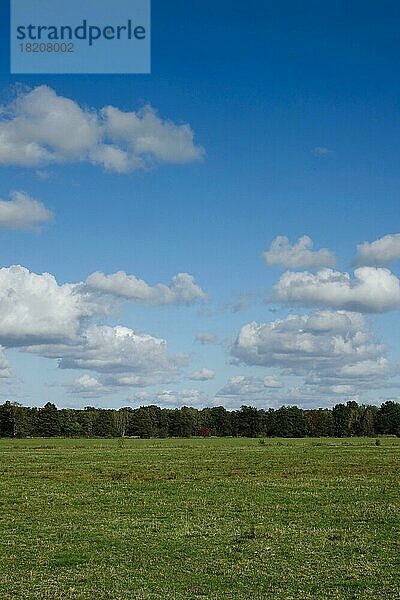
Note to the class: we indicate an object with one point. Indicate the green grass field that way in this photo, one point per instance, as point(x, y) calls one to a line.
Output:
point(199, 518)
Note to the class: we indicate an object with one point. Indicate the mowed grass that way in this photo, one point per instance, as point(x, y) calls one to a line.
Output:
point(199, 518)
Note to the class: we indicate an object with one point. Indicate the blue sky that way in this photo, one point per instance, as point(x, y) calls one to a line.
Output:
point(296, 109)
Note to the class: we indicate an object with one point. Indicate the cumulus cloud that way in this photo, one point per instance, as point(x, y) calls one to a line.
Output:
point(36, 309)
point(5, 370)
point(323, 390)
point(62, 322)
point(300, 255)
point(42, 128)
point(169, 398)
point(88, 386)
point(202, 375)
point(334, 354)
point(325, 347)
point(380, 252)
point(256, 391)
point(205, 338)
point(315, 395)
point(182, 290)
point(116, 351)
point(368, 368)
point(144, 134)
point(22, 212)
point(371, 290)
point(102, 384)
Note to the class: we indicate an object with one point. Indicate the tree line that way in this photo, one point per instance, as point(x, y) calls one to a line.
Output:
point(342, 420)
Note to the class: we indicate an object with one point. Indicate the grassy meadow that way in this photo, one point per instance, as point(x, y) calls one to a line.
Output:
point(199, 518)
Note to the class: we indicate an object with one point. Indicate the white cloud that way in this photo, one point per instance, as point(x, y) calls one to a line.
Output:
point(315, 396)
point(22, 212)
point(380, 252)
point(116, 351)
point(254, 391)
point(5, 370)
point(366, 368)
point(145, 378)
point(322, 391)
point(55, 321)
point(271, 382)
point(41, 128)
point(88, 386)
point(333, 353)
point(182, 290)
point(145, 134)
point(205, 338)
point(112, 158)
point(322, 343)
point(297, 256)
point(202, 375)
point(169, 398)
point(36, 309)
point(371, 290)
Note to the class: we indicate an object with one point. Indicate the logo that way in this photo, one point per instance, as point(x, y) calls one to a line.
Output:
point(80, 36)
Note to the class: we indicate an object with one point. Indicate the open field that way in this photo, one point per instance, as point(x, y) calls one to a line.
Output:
point(199, 518)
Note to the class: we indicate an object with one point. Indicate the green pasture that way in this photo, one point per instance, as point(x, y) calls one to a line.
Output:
point(196, 518)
